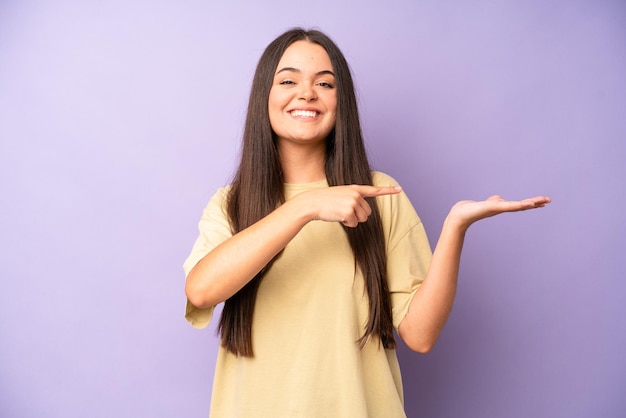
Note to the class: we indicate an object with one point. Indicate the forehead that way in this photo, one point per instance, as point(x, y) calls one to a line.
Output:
point(305, 55)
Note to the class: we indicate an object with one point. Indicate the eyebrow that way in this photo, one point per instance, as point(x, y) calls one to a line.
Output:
point(295, 70)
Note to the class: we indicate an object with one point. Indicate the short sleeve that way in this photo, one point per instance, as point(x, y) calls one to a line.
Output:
point(407, 265)
point(408, 249)
point(214, 229)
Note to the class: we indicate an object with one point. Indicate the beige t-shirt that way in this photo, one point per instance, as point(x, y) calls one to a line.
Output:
point(310, 311)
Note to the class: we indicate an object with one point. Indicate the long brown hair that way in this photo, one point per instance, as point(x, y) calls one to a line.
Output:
point(257, 189)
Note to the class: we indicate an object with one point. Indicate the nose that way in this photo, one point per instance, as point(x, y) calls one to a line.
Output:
point(307, 92)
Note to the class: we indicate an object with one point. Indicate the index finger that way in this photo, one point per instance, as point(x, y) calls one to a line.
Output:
point(373, 191)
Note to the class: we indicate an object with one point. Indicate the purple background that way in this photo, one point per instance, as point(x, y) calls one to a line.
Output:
point(119, 119)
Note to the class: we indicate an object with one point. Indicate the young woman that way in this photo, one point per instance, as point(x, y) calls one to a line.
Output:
point(316, 258)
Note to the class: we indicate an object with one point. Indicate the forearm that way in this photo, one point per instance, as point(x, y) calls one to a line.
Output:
point(431, 305)
point(232, 264)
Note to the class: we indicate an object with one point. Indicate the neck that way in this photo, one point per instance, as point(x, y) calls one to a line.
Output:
point(302, 164)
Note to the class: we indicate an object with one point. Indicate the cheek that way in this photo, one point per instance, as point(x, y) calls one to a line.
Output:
point(275, 99)
point(273, 120)
point(274, 108)
point(332, 107)
point(331, 102)
point(271, 100)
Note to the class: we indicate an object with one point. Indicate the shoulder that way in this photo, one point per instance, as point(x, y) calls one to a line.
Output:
point(394, 206)
point(383, 179)
point(402, 225)
point(220, 195)
point(216, 206)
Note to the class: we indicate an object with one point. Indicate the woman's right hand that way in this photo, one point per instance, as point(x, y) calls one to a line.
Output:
point(345, 204)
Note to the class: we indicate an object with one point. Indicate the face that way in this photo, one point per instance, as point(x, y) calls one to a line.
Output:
point(303, 97)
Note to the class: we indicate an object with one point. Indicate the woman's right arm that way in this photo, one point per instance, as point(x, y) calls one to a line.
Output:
point(233, 263)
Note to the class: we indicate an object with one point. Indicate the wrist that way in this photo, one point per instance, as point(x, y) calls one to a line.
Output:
point(456, 225)
point(301, 210)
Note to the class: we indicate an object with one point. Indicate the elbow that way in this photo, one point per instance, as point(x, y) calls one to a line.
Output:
point(196, 296)
point(193, 297)
point(422, 347)
point(417, 341)
point(200, 289)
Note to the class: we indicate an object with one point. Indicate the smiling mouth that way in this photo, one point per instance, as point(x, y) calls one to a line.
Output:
point(304, 113)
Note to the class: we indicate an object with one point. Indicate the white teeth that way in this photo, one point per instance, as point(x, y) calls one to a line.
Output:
point(304, 113)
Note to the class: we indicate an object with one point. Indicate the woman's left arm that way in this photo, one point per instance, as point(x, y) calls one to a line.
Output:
point(431, 305)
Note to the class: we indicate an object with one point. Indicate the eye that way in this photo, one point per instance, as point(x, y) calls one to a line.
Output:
point(286, 83)
point(326, 84)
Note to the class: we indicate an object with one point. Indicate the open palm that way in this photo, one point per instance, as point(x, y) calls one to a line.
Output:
point(467, 212)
